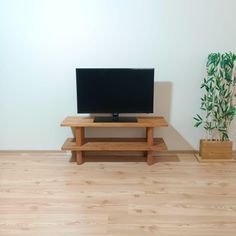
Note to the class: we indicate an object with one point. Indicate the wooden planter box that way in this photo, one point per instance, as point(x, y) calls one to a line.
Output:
point(216, 150)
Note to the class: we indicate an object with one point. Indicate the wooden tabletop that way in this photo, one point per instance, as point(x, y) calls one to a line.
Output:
point(149, 121)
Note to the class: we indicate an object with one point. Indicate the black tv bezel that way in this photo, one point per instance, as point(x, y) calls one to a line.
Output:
point(115, 111)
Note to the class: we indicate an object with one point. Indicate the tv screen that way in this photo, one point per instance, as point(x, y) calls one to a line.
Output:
point(115, 90)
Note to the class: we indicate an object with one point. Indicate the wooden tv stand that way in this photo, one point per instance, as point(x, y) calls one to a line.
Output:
point(79, 144)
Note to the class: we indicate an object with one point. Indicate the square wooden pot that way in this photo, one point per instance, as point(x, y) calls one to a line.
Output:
point(215, 150)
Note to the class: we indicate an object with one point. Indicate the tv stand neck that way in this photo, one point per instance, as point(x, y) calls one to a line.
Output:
point(115, 118)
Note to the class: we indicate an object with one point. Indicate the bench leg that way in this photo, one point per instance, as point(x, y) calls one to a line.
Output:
point(79, 157)
point(79, 137)
point(150, 158)
point(149, 138)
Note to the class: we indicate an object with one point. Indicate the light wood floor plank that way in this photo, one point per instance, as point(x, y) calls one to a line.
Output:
point(45, 194)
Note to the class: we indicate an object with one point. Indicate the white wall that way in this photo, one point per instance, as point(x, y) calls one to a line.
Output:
point(43, 41)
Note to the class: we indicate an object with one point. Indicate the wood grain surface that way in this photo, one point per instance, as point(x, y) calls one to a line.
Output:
point(45, 194)
point(115, 144)
point(78, 121)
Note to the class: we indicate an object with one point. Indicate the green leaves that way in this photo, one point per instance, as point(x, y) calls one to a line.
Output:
point(197, 123)
point(213, 59)
point(217, 102)
point(225, 136)
point(231, 111)
point(198, 120)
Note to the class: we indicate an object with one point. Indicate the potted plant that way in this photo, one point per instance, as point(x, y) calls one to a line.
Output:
point(218, 104)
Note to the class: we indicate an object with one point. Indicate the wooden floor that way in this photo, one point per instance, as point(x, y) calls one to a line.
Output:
point(46, 195)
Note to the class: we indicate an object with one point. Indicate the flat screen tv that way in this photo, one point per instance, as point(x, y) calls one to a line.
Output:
point(114, 90)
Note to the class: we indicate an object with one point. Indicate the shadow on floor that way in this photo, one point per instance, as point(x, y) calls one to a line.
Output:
point(135, 158)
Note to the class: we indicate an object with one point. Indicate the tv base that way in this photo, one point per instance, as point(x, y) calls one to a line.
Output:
point(115, 119)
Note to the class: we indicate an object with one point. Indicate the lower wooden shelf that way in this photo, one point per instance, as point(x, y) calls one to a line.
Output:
point(115, 144)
